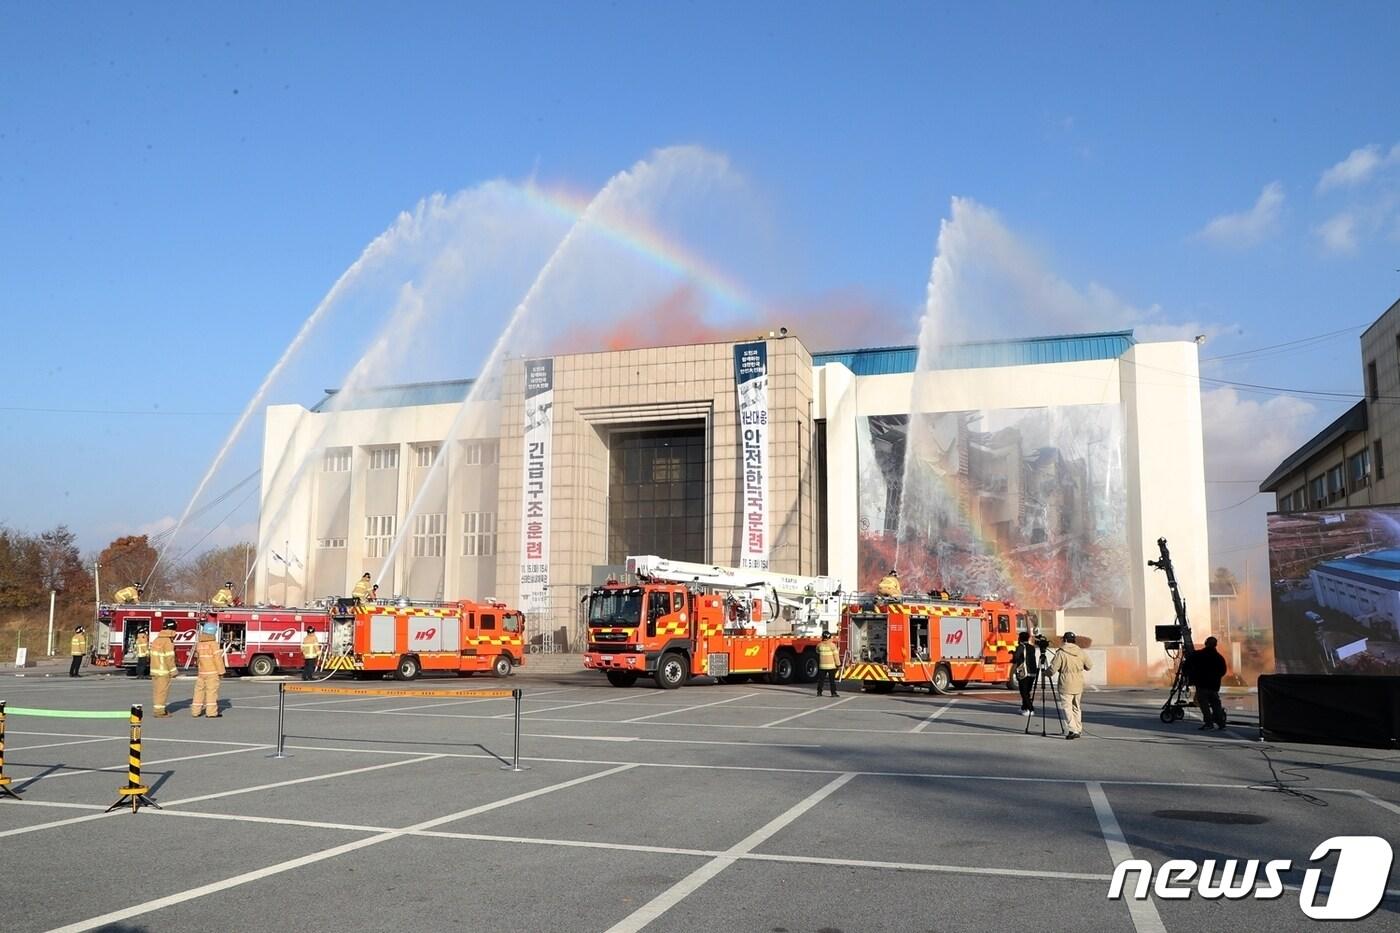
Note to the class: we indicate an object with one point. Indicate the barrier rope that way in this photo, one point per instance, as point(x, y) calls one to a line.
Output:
point(135, 793)
point(284, 689)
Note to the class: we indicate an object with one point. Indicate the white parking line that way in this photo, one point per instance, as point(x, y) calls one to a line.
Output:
point(290, 864)
point(934, 715)
point(300, 780)
point(1383, 804)
point(13, 749)
point(1143, 912)
point(633, 738)
point(687, 709)
point(805, 712)
point(145, 765)
point(693, 881)
point(550, 709)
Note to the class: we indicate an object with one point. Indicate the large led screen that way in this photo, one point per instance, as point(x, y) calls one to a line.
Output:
point(1028, 504)
point(1335, 583)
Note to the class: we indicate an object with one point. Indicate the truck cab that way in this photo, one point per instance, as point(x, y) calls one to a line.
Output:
point(630, 627)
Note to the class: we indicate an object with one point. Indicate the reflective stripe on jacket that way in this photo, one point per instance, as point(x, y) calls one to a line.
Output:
point(310, 647)
point(828, 658)
point(222, 598)
point(143, 646)
point(78, 645)
point(163, 657)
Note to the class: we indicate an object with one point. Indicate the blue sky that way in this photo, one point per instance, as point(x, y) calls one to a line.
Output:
point(181, 185)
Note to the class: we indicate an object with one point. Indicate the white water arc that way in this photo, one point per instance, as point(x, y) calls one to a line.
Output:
point(380, 247)
point(649, 177)
point(468, 233)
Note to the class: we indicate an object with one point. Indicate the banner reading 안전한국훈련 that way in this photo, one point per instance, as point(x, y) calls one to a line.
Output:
point(535, 489)
point(751, 381)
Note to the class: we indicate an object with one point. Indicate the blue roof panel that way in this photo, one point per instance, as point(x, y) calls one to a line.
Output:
point(450, 392)
point(1072, 348)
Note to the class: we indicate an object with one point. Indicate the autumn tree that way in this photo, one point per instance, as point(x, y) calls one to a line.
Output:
point(198, 579)
point(130, 560)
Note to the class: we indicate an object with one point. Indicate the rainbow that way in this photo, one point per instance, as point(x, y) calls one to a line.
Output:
point(643, 240)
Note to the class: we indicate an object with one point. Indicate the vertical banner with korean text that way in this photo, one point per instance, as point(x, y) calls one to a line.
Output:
point(535, 491)
point(751, 380)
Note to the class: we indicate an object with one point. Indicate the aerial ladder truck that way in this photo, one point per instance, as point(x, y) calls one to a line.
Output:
point(676, 619)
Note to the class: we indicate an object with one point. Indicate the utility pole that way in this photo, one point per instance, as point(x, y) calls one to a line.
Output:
point(52, 597)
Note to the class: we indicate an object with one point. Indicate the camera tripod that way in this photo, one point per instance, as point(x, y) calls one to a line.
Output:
point(1046, 686)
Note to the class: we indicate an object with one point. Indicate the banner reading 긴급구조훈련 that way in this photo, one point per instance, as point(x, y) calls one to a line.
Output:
point(535, 490)
point(751, 381)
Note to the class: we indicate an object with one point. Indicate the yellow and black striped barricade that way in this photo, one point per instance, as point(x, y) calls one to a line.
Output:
point(134, 793)
point(284, 688)
point(4, 781)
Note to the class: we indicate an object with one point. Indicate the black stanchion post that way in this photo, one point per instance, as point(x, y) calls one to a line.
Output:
point(4, 781)
point(281, 719)
point(135, 793)
point(515, 763)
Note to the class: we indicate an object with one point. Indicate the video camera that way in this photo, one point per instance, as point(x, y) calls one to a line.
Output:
point(1170, 636)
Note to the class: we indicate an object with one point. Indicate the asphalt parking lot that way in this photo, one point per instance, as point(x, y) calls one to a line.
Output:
point(718, 807)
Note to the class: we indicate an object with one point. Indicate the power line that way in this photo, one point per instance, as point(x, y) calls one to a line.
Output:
point(1299, 343)
point(1237, 504)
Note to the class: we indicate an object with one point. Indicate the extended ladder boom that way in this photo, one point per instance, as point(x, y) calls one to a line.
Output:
point(814, 603)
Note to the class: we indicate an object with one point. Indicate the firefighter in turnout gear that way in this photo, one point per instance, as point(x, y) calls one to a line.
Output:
point(889, 587)
point(128, 595)
point(223, 598)
point(828, 660)
point(209, 662)
point(310, 652)
point(77, 646)
point(363, 589)
point(143, 654)
point(162, 667)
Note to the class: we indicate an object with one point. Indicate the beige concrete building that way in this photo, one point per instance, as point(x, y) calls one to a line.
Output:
point(1059, 463)
point(1344, 464)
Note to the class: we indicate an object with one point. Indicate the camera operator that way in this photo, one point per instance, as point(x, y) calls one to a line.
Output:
point(1069, 665)
point(1026, 669)
point(1205, 669)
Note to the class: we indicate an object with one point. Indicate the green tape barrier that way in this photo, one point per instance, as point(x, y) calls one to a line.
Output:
point(66, 713)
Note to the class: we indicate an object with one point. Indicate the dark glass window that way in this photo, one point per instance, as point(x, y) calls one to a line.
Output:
point(656, 491)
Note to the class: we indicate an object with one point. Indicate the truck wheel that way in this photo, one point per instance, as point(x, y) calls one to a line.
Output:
point(784, 669)
point(262, 666)
point(807, 668)
point(942, 679)
point(671, 671)
point(408, 668)
point(622, 678)
point(501, 666)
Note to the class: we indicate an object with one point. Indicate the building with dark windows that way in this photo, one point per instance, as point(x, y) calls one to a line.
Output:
point(1345, 464)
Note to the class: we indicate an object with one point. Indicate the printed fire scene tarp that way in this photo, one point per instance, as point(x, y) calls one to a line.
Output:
point(1330, 709)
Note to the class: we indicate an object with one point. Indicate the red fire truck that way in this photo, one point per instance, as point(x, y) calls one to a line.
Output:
point(114, 634)
point(255, 639)
point(940, 644)
point(408, 638)
point(684, 620)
